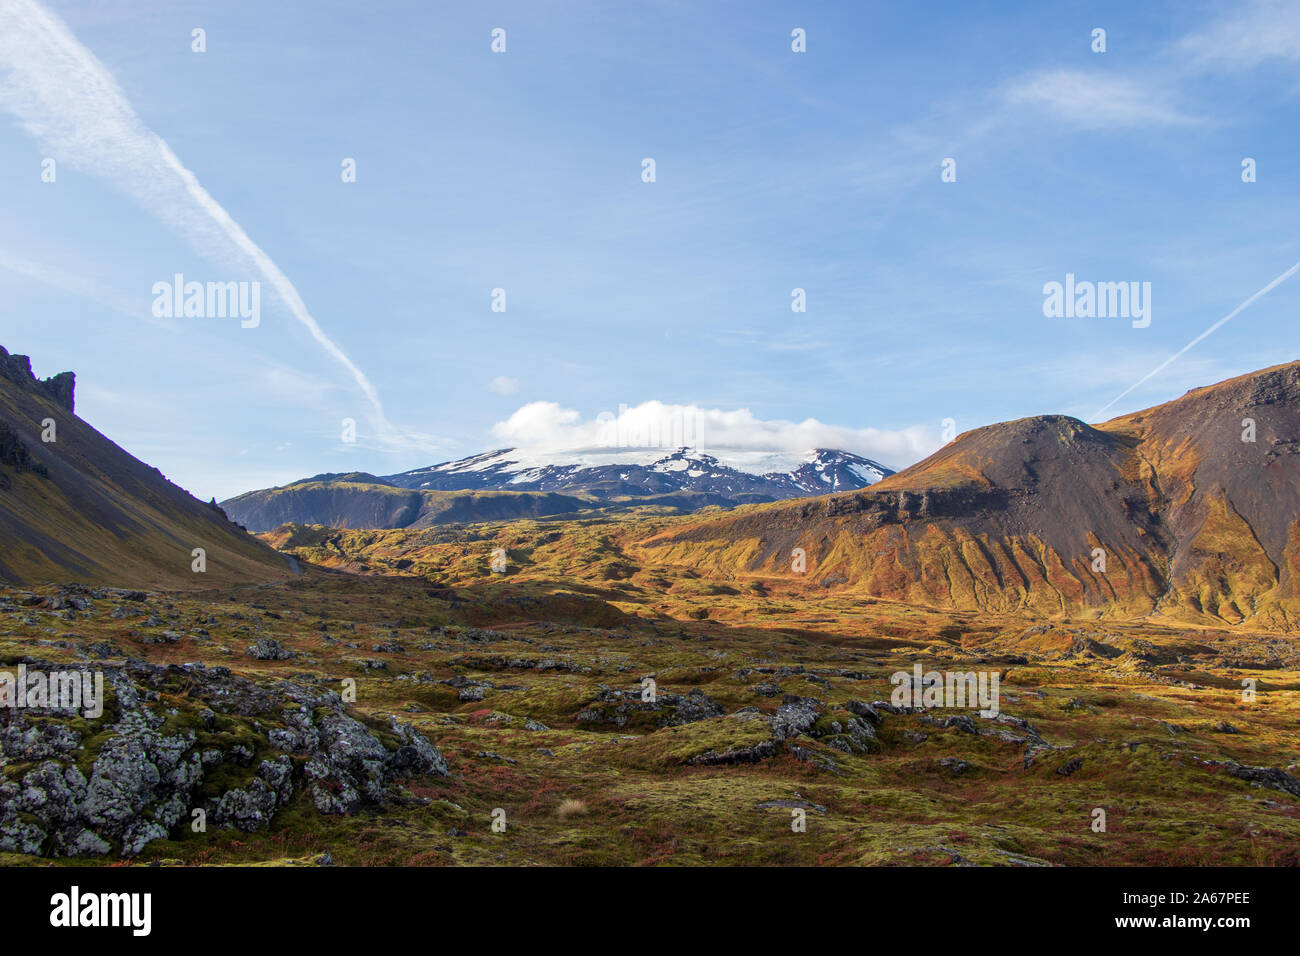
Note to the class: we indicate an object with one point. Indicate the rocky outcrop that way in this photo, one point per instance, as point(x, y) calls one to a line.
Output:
point(1274, 778)
point(60, 388)
point(269, 649)
point(238, 754)
point(619, 708)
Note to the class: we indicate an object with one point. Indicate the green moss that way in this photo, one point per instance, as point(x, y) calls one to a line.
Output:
point(676, 746)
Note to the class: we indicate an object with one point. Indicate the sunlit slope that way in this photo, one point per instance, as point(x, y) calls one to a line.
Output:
point(80, 508)
point(1165, 511)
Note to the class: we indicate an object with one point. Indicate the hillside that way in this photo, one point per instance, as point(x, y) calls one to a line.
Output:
point(80, 508)
point(369, 502)
point(1193, 521)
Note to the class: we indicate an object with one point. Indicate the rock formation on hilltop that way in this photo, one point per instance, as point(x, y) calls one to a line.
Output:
point(18, 370)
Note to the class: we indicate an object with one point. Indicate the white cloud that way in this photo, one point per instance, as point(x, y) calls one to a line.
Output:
point(1259, 32)
point(733, 436)
point(503, 385)
point(68, 101)
point(1091, 101)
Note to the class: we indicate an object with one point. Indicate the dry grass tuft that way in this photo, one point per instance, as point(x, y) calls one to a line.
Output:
point(571, 808)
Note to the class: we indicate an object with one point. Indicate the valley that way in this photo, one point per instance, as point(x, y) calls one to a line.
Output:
point(770, 698)
point(585, 678)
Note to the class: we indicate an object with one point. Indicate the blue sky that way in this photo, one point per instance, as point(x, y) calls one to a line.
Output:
point(522, 170)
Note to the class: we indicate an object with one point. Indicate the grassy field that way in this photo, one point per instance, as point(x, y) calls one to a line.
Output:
point(530, 682)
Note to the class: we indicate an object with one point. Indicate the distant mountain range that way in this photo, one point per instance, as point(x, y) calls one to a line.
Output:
point(653, 472)
point(510, 483)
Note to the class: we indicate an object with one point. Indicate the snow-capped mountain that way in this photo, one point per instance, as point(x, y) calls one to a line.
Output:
point(553, 483)
point(651, 472)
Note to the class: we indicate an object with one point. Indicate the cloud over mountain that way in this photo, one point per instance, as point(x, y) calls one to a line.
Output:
point(656, 424)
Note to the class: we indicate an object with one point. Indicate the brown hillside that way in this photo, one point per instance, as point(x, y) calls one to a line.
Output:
point(1194, 521)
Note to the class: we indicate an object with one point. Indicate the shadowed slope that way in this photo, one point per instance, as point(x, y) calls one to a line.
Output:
point(377, 504)
point(80, 508)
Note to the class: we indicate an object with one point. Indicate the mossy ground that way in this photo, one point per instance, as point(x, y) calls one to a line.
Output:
point(1142, 704)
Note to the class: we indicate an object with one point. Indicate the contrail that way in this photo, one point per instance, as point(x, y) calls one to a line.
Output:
point(1204, 335)
point(70, 103)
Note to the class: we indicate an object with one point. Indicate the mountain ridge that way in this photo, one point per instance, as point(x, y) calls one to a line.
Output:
point(680, 469)
point(681, 480)
point(1191, 519)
